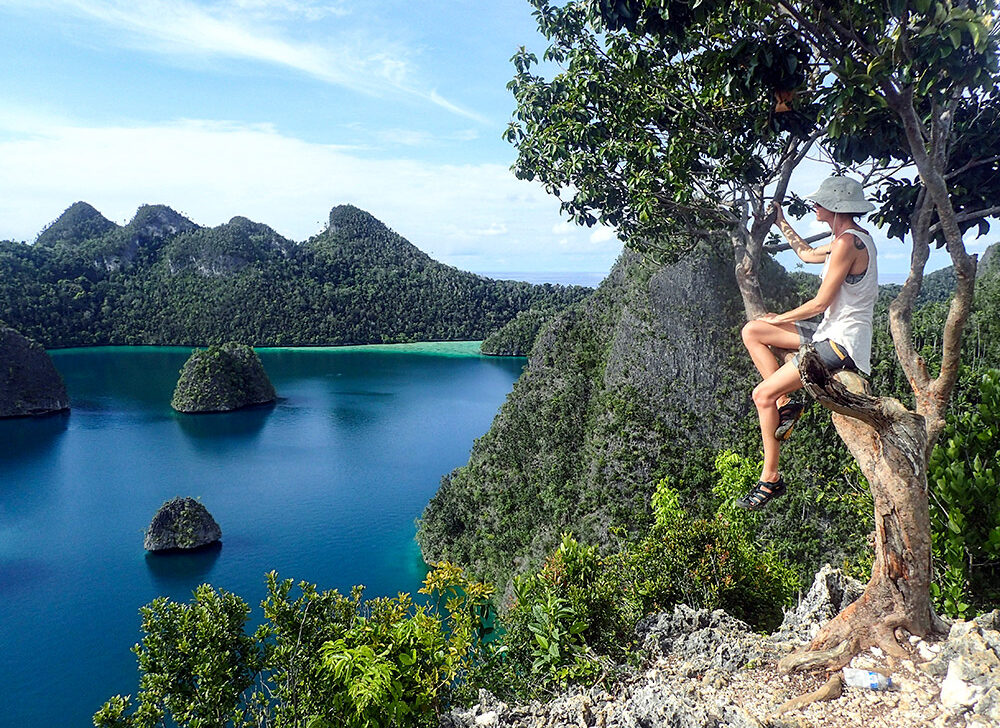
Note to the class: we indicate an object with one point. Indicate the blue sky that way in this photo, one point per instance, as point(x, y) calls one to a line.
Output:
point(280, 109)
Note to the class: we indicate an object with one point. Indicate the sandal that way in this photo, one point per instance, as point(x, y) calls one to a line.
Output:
point(761, 494)
point(788, 415)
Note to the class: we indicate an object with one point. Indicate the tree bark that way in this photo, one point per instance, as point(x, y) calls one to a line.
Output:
point(890, 444)
point(746, 251)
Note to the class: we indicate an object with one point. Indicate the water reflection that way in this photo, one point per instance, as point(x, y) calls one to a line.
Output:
point(24, 438)
point(215, 426)
point(175, 570)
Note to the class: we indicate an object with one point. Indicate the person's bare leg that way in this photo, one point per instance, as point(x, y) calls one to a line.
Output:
point(759, 336)
point(765, 396)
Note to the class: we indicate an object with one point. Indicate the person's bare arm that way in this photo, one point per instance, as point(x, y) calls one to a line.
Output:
point(842, 252)
point(802, 249)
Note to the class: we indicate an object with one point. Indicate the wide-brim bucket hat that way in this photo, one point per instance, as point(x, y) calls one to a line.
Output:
point(841, 194)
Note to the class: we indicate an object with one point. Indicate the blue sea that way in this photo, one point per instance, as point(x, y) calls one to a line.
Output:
point(324, 486)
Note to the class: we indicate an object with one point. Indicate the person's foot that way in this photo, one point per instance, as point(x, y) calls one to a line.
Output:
point(788, 415)
point(762, 494)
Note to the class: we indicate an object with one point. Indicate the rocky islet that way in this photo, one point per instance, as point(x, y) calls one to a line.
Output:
point(222, 379)
point(29, 382)
point(181, 524)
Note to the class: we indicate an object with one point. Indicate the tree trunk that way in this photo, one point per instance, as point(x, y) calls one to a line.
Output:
point(889, 443)
point(747, 247)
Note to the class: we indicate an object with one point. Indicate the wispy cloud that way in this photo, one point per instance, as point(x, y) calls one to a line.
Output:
point(477, 216)
point(311, 10)
point(259, 30)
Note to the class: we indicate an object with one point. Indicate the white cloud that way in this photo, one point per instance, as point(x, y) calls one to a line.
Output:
point(497, 228)
point(419, 138)
point(602, 235)
point(310, 10)
point(473, 215)
point(374, 66)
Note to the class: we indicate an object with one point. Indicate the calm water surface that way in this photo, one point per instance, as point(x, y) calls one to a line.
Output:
point(324, 486)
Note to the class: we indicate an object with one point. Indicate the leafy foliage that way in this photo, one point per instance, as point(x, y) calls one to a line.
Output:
point(163, 280)
point(320, 660)
point(667, 132)
point(964, 478)
point(573, 618)
point(196, 662)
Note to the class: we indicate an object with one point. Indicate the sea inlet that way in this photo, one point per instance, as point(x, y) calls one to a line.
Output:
point(324, 486)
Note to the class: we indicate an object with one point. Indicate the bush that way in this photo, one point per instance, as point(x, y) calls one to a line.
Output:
point(576, 616)
point(320, 660)
point(964, 482)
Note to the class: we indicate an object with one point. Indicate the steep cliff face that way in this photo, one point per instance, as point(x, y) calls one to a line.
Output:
point(620, 390)
point(29, 382)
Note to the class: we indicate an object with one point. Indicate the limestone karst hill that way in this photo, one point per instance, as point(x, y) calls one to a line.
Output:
point(645, 379)
point(162, 279)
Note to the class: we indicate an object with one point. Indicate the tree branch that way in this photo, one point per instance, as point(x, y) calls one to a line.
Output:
point(965, 216)
point(901, 309)
point(780, 247)
point(847, 393)
point(971, 164)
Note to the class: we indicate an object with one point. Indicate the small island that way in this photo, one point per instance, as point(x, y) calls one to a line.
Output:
point(29, 382)
point(181, 523)
point(222, 379)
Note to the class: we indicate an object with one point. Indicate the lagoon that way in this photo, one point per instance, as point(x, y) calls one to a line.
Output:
point(324, 487)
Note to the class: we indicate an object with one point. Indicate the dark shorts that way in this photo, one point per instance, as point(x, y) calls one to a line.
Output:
point(833, 355)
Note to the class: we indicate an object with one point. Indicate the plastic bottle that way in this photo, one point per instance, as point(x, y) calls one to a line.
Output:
point(866, 679)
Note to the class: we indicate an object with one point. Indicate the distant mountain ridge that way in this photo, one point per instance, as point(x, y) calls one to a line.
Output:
point(162, 279)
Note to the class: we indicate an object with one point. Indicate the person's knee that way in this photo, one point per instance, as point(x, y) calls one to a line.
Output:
point(763, 397)
point(750, 332)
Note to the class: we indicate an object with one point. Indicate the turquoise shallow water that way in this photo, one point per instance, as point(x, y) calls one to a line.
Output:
point(324, 486)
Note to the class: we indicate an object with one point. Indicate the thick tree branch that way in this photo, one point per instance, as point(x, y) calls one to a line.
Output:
point(966, 216)
point(932, 401)
point(901, 309)
point(779, 247)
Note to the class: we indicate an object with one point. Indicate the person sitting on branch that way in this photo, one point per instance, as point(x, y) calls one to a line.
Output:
point(843, 339)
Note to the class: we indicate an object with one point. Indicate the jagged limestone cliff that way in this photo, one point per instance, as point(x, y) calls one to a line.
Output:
point(620, 390)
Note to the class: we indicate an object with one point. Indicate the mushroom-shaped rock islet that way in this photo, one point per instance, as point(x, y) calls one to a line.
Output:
point(29, 382)
point(181, 523)
point(221, 379)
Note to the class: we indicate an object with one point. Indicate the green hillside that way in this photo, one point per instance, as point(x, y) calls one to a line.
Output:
point(161, 279)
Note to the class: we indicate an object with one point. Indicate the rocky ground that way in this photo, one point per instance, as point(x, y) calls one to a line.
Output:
point(709, 670)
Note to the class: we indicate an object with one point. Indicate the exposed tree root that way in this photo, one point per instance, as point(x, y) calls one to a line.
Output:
point(813, 659)
point(831, 690)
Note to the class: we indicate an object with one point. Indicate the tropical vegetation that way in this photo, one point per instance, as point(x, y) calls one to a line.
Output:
point(163, 280)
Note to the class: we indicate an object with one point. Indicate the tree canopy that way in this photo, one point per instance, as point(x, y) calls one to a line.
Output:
point(665, 108)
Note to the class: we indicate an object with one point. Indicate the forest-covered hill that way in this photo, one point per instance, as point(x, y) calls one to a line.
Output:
point(161, 279)
point(645, 379)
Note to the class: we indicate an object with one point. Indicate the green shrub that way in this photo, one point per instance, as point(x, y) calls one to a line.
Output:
point(570, 621)
point(320, 660)
point(964, 481)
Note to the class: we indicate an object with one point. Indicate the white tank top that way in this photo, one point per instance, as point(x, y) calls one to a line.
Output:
point(848, 320)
